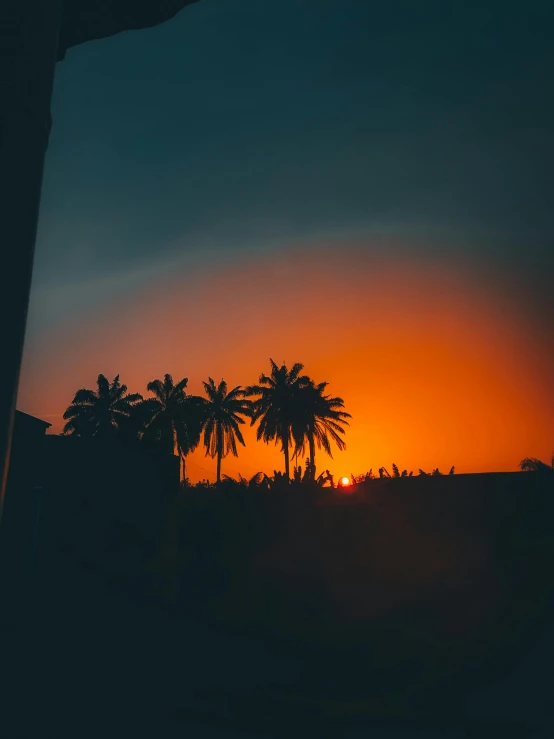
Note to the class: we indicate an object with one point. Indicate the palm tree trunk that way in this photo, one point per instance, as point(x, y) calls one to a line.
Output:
point(178, 451)
point(286, 451)
point(311, 442)
point(219, 453)
point(218, 466)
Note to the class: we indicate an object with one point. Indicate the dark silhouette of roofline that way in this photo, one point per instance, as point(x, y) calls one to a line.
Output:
point(33, 419)
point(84, 21)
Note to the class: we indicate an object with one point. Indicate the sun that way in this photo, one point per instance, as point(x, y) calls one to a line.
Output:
point(345, 481)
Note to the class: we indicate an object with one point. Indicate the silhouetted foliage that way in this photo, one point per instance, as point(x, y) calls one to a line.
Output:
point(223, 414)
point(396, 472)
point(306, 475)
point(531, 464)
point(436, 471)
point(277, 409)
point(174, 419)
point(289, 407)
point(105, 414)
point(259, 481)
point(320, 422)
point(355, 479)
point(383, 474)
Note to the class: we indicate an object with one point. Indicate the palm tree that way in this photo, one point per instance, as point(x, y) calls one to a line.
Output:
point(320, 422)
point(106, 413)
point(278, 406)
point(174, 419)
point(223, 414)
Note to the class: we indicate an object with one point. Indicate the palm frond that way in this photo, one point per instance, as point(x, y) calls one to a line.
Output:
point(180, 386)
point(77, 409)
point(156, 387)
point(85, 396)
point(103, 386)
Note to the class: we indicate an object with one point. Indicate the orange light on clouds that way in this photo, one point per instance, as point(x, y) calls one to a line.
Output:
point(436, 367)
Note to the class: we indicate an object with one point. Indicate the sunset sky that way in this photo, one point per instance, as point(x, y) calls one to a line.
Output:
point(365, 188)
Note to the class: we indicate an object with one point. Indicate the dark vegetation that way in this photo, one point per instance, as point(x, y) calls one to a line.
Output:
point(396, 598)
point(290, 409)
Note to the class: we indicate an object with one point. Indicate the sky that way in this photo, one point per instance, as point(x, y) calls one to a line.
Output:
point(365, 188)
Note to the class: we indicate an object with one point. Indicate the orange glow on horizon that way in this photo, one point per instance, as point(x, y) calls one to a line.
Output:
point(436, 367)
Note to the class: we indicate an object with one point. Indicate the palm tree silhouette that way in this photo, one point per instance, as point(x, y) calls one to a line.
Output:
point(104, 414)
point(278, 407)
point(321, 421)
point(174, 419)
point(223, 413)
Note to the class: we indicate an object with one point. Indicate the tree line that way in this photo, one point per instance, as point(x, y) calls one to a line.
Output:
point(384, 473)
point(288, 407)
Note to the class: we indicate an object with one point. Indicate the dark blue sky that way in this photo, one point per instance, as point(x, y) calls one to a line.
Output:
point(242, 125)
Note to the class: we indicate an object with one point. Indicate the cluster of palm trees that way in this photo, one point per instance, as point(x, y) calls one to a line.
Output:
point(289, 408)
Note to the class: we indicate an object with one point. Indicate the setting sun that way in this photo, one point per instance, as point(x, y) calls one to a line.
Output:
point(345, 481)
